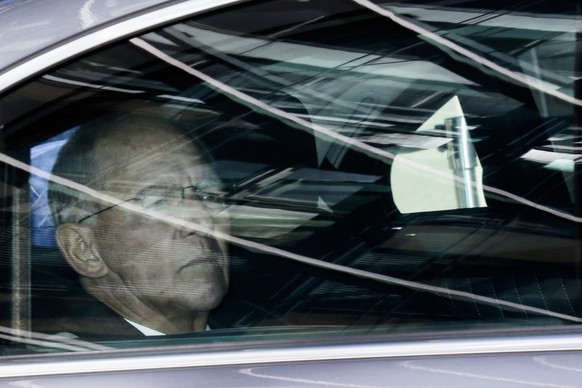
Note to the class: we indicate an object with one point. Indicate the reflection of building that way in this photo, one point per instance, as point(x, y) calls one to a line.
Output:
point(43, 157)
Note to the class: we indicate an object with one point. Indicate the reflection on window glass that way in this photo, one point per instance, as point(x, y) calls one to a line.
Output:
point(43, 157)
point(338, 169)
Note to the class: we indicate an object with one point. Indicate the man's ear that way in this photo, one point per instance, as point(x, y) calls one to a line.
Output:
point(77, 245)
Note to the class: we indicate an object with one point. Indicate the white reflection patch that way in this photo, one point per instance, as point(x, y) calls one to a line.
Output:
point(415, 366)
point(250, 372)
point(86, 14)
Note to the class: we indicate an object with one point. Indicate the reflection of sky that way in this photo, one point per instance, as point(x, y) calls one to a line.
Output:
point(43, 157)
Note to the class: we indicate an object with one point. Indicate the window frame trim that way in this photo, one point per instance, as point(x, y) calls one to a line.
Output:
point(108, 362)
point(82, 43)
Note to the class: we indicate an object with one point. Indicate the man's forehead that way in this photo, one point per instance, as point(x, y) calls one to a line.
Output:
point(185, 159)
point(147, 150)
point(136, 140)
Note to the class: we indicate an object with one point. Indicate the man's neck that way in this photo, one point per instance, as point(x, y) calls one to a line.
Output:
point(132, 309)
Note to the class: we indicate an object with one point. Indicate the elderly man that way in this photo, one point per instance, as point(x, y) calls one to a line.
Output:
point(160, 277)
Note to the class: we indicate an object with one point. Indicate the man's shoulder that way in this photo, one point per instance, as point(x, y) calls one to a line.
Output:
point(79, 314)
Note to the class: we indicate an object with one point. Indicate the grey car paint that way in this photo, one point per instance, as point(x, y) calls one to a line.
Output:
point(539, 369)
point(29, 27)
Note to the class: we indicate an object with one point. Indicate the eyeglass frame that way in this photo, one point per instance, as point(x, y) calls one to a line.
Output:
point(197, 192)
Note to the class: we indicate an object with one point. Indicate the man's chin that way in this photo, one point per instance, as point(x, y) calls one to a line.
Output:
point(209, 296)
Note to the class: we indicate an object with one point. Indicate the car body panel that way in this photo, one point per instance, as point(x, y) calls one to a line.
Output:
point(60, 43)
point(46, 23)
point(74, 38)
point(338, 366)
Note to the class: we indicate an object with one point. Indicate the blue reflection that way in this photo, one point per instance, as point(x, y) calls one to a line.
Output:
point(43, 157)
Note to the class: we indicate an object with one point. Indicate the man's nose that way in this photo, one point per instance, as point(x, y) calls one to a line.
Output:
point(203, 221)
point(205, 242)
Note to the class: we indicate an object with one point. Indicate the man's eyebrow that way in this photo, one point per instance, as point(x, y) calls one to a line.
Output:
point(133, 185)
point(166, 188)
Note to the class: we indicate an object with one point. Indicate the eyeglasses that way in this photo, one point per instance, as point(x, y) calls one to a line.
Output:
point(207, 194)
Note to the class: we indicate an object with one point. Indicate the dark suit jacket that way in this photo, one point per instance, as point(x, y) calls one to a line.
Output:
point(80, 314)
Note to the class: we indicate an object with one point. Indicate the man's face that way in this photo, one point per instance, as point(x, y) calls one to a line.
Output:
point(166, 267)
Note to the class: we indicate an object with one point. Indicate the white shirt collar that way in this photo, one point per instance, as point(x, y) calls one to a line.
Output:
point(150, 332)
point(144, 330)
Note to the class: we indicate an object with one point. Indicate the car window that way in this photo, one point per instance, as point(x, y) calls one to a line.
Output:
point(285, 169)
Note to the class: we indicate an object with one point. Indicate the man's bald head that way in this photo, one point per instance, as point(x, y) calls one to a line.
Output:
point(99, 148)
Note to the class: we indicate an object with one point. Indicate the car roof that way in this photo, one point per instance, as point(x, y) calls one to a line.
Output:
point(36, 35)
point(30, 27)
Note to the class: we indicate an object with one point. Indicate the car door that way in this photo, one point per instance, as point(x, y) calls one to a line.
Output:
point(395, 185)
